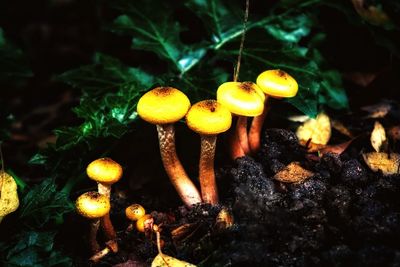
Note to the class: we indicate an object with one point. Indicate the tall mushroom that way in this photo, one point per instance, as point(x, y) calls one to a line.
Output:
point(105, 172)
point(93, 205)
point(208, 118)
point(163, 106)
point(274, 83)
point(243, 99)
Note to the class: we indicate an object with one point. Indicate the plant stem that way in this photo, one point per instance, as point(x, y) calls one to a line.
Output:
point(209, 191)
point(175, 171)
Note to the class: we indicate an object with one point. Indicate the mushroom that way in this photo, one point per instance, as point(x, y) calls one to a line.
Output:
point(134, 212)
point(164, 106)
point(244, 99)
point(274, 83)
point(93, 205)
point(208, 118)
point(105, 172)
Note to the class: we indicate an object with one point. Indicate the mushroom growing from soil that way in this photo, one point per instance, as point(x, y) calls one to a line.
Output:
point(208, 118)
point(244, 99)
point(274, 83)
point(134, 212)
point(93, 205)
point(163, 106)
point(105, 172)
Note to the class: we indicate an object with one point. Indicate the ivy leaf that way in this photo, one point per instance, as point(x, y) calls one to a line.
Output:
point(32, 249)
point(44, 203)
point(156, 33)
point(290, 29)
point(14, 68)
point(223, 20)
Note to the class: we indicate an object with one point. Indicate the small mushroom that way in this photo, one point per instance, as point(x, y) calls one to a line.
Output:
point(163, 106)
point(134, 212)
point(93, 205)
point(105, 172)
point(274, 83)
point(208, 118)
point(244, 99)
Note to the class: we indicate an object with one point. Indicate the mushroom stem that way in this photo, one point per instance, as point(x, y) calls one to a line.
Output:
point(255, 129)
point(241, 131)
point(106, 223)
point(94, 227)
point(235, 148)
point(209, 192)
point(175, 171)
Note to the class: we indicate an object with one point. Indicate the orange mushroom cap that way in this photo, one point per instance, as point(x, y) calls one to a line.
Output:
point(241, 98)
point(104, 170)
point(209, 117)
point(163, 105)
point(277, 83)
point(92, 205)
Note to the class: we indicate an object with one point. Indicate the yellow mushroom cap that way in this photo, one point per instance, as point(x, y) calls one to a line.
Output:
point(141, 223)
point(241, 98)
point(92, 205)
point(104, 170)
point(277, 83)
point(134, 212)
point(163, 105)
point(209, 117)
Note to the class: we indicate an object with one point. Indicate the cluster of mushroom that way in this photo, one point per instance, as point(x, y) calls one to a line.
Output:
point(163, 106)
point(96, 205)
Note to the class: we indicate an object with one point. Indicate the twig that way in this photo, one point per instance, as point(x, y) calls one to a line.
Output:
point(246, 18)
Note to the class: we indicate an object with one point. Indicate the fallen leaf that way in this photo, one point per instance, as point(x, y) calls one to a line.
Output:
point(293, 173)
point(377, 111)
point(378, 137)
point(182, 231)
point(360, 78)
point(9, 201)
point(394, 133)
point(387, 163)
point(337, 149)
point(317, 130)
point(338, 126)
point(373, 14)
point(224, 219)
point(162, 260)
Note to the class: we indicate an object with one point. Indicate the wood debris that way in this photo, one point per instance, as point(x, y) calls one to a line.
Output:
point(293, 173)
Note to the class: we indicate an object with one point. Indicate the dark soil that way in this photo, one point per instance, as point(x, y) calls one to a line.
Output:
point(345, 215)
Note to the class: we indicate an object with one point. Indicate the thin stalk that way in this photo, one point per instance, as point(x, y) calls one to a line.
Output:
point(173, 167)
point(106, 223)
point(94, 227)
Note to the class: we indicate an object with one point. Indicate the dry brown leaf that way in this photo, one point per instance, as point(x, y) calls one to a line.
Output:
point(162, 260)
point(337, 149)
point(387, 163)
point(361, 78)
point(182, 231)
point(338, 126)
point(378, 137)
point(293, 173)
point(9, 201)
point(377, 111)
point(317, 130)
point(394, 133)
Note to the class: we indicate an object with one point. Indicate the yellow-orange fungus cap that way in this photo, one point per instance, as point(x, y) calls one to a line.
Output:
point(209, 117)
point(134, 212)
point(277, 83)
point(104, 170)
point(92, 205)
point(141, 223)
point(241, 98)
point(163, 105)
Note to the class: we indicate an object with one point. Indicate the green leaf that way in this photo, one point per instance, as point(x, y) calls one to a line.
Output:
point(32, 249)
point(156, 32)
point(43, 203)
point(14, 68)
point(290, 29)
point(223, 20)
